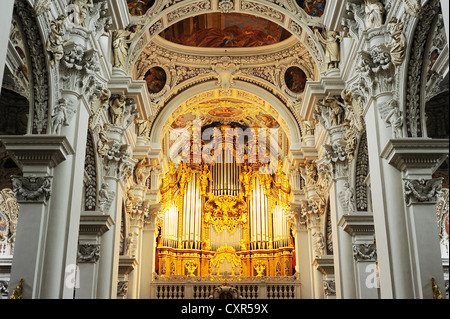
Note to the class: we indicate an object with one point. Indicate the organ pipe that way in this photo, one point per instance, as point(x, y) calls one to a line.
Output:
point(265, 227)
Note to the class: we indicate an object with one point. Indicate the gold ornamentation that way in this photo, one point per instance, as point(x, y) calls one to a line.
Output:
point(191, 266)
point(228, 253)
point(436, 291)
point(225, 212)
point(18, 291)
point(260, 267)
point(204, 179)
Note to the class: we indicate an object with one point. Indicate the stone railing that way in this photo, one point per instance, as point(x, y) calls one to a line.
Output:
point(185, 287)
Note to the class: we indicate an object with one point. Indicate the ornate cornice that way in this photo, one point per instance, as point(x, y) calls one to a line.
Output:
point(126, 264)
point(95, 224)
point(325, 264)
point(415, 153)
point(36, 150)
point(358, 224)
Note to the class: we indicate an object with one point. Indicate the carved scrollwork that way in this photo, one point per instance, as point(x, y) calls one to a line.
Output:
point(88, 253)
point(365, 252)
point(422, 190)
point(32, 188)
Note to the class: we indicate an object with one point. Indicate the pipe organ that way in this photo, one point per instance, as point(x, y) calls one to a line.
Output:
point(225, 215)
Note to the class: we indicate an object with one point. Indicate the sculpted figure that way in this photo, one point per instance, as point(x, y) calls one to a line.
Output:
point(55, 42)
point(398, 43)
point(83, 7)
point(98, 106)
point(374, 13)
point(117, 110)
point(205, 178)
point(121, 41)
point(330, 41)
point(59, 117)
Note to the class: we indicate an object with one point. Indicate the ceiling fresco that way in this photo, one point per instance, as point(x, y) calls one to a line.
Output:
point(219, 30)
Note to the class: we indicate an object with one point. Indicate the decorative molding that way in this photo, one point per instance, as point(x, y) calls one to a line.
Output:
point(416, 153)
point(365, 252)
point(422, 190)
point(329, 287)
point(416, 69)
point(40, 114)
point(95, 224)
point(32, 188)
point(358, 224)
point(324, 264)
point(88, 253)
point(45, 150)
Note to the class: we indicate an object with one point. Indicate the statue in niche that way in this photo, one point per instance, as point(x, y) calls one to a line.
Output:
point(398, 44)
point(55, 42)
point(308, 127)
point(375, 12)
point(121, 41)
point(311, 173)
point(320, 243)
point(117, 110)
point(330, 40)
point(59, 117)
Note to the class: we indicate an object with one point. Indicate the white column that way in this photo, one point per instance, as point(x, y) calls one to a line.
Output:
point(417, 158)
point(92, 226)
point(388, 210)
point(5, 28)
point(65, 211)
point(317, 276)
point(109, 251)
point(148, 255)
point(360, 227)
point(39, 155)
point(342, 248)
point(303, 261)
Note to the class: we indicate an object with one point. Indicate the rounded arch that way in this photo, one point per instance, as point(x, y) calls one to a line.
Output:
point(163, 15)
point(175, 102)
